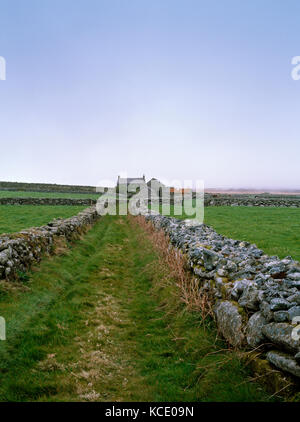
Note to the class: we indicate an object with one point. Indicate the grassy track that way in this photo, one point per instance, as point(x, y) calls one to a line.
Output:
point(14, 218)
point(275, 230)
point(27, 194)
point(98, 324)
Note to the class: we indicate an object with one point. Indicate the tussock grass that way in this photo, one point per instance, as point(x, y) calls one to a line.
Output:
point(175, 268)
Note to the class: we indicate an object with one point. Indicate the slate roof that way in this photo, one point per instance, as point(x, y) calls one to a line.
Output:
point(130, 180)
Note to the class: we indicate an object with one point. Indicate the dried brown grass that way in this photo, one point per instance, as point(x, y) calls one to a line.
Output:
point(178, 272)
point(201, 301)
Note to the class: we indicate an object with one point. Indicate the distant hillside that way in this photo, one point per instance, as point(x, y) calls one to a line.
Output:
point(46, 187)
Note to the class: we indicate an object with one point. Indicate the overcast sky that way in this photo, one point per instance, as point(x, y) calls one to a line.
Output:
point(175, 89)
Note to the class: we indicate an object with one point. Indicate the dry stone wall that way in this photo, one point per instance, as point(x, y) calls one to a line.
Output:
point(208, 201)
point(47, 201)
point(19, 251)
point(252, 201)
point(256, 296)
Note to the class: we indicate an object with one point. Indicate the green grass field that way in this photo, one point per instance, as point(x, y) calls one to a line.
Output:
point(14, 218)
point(275, 230)
point(105, 322)
point(23, 194)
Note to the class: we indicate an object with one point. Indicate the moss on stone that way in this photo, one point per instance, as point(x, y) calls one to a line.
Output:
point(273, 380)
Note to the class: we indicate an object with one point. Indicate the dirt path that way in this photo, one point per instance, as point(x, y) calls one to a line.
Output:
point(98, 325)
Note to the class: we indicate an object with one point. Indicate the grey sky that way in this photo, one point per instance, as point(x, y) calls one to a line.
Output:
point(187, 89)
